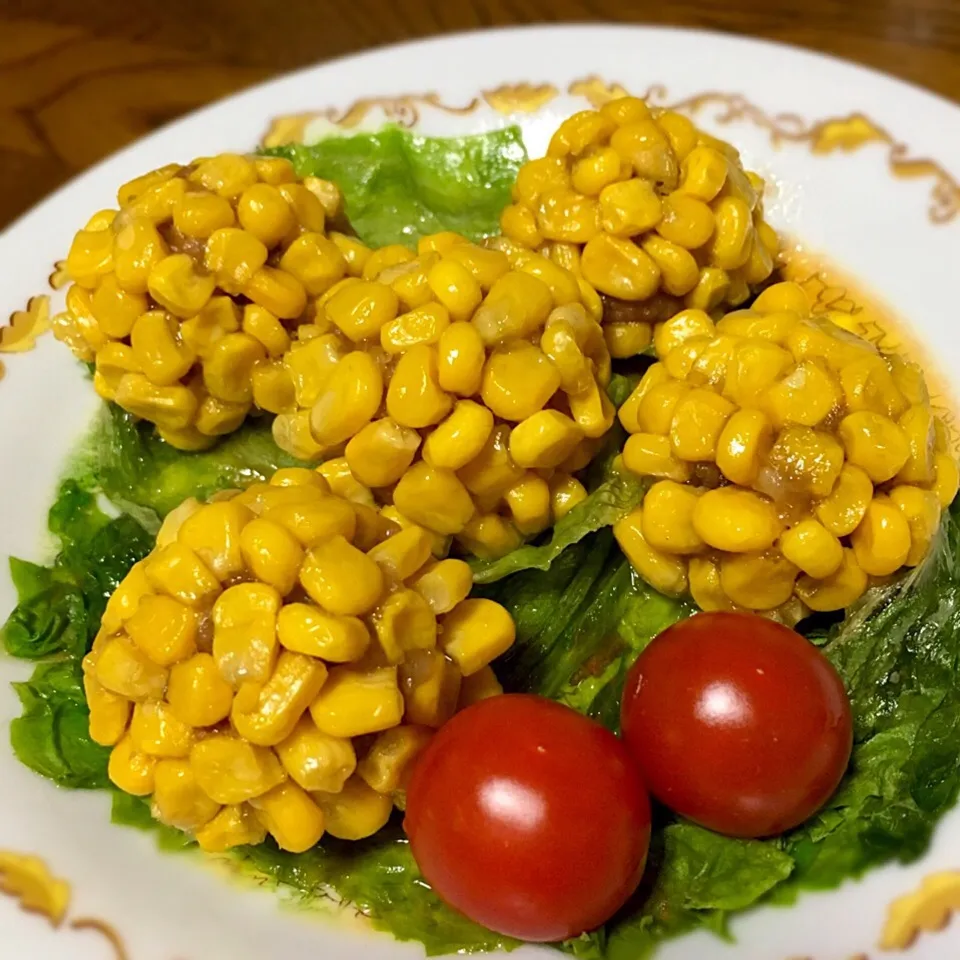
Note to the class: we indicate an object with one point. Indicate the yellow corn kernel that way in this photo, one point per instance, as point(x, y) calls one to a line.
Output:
point(730, 245)
point(315, 262)
point(743, 445)
point(374, 526)
point(486, 266)
point(825, 341)
point(782, 296)
point(130, 769)
point(434, 497)
point(343, 483)
point(294, 821)
point(175, 519)
point(518, 380)
point(680, 131)
point(126, 598)
point(389, 760)
point(566, 492)
point(681, 361)
point(568, 216)
point(272, 554)
point(802, 461)
point(91, 257)
point(101, 220)
point(757, 580)
point(461, 359)
point(164, 629)
point(198, 215)
point(157, 731)
point(812, 548)
point(227, 174)
point(403, 621)
point(698, 420)
point(213, 533)
point(414, 396)
point(380, 452)
point(266, 714)
point(310, 365)
point(276, 291)
point(881, 542)
point(629, 410)
point(272, 387)
point(650, 455)
point(216, 418)
point(543, 440)
point(713, 361)
point(678, 269)
point(712, 288)
point(233, 257)
point(875, 443)
point(909, 379)
point(179, 573)
point(443, 585)
point(663, 572)
point(595, 170)
point(228, 370)
point(403, 554)
point(349, 400)
point(245, 632)
point(315, 760)
point(220, 316)
point(233, 826)
point(759, 263)
point(456, 288)
point(361, 309)
point(806, 396)
point(114, 361)
point(921, 510)
point(178, 800)
point(424, 324)
point(460, 437)
point(354, 253)
point(580, 132)
point(157, 349)
point(622, 110)
point(175, 284)
point(942, 439)
point(917, 426)
point(516, 306)
point(109, 713)
point(489, 536)
point(353, 703)
point(441, 243)
point(157, 203)
point(529, 503)
point(115, 309)
point(753, 372)
point(667, 521)
point(263, 212)
point(303, 628)
point(431, 684)
point(646, 148)
point(946, 478)
point(342, 579)
point(705, 588)
point(537, 176)
point(492, 472)
point(479, 686)
point(736, 520)
point(137, 249)
point(475, 632)
point(868, 385)
point(383, 258)
point(619, 268)
point(681, 327)
point(703, 173)
point(559, 343)
point(562, 282)
point(354, 812)
point(836, 592)
point(265, 327)
point(627, 339)
point(276, 170)
point(196, 692)
point(685, 221)
point(774, 326)
point(171, 408)
point(844, 508)
point(306, 206)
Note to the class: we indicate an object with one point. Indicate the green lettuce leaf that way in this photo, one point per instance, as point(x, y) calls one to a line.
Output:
point(399, 186)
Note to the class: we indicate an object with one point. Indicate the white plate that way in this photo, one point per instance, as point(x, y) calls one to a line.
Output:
point(838, 144)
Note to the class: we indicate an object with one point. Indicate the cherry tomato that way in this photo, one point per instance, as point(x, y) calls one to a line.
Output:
point(528, 818)
point(738, 723)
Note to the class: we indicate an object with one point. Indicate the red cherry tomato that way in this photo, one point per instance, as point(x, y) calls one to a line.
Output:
point(738, 723)
point(528, 818)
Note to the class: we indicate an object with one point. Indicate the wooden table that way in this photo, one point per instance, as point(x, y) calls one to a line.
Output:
point(79, 80)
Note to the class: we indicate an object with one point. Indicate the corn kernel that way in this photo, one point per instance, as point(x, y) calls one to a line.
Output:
point(489, 536)
point(234, 256)
point(178, 800)
point(712, 288)
point(414, 396)
point(157, 350)
point(566, 492)
point(492, 472)
point(343, 483)
point(667, 520)
point(567, 216)
point(743, 445)
point(475, 632)
point(479, 686)
point(646, 148)
point(875, 443)
point(918, 426)
point(196, 692)
point(679, 271)
point(277, 291)
point(233, 826)
point(157, 203)
point(518, 380)
point(213, 533)
point(245, 632)
point(178, 572)
point(349, 400)
point(806, 396)
point(705, 588)
point(131, 770)
point(663, 572)
point(946, 478)
point(109, 713)
point(802, 461)
point(921, 509)
point(434, 497)
point(682, 327)
point(461, 359)
point(881, 541)
point(115, 309)
point(443, 585)
point(316, 760)
point(516, 307)
point(559, 343)
point(756, 367)
point(388, 762)
point(227, 175)
point(266, 714)
point(164, 629)
point(431, 684)
point(262, 325)
point(650, 455)
point(353, 252)
point(264, 213)
point(757, 580)
point(354, 812)
point(294, 821)
point(736, 520)
point(379, 454)
point(272, 387)
point(353, 703)
point(812, 548)
point(698, 420)
point(842, 511)
point(137, 249)
point(403, 621)
point(529, 504)
point(198, 215)
point(460, 437)
point(704, 172)
point(340, 578)
point(302, 628)
point(544, 439)
point(156, 731)
point(403, 554)
point(836, 592)
point(114, 361)
point(619, 268)
point(228, 370)
point(91, 257)
point(272, 554)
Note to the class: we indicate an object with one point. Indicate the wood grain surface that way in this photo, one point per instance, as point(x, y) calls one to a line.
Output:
point(80, 80)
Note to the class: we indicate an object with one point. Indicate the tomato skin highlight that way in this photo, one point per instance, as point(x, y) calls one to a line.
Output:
point(738, 723)
point(529, 818)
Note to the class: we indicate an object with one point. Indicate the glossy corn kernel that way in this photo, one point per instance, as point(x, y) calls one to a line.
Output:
point(461, 357)
point(698, 420)
point(516, 306)
point(387, 764)
point(946, 478)
point(874, 443)
point(178, 572)
point(475, 632)
point(837, 591)
point(130, 769)
point(403, 554)
point(667, 520)
point(650, 455)
point(736, 520)
point(518, 380)
point(164, 629)
point(340, 578)
point(302, 628)
point(233, 826)
point(349, 400)
point(244, 633)
point(178, 800)
point(361, 309)
point(414, 396)
point(921, 509)
point(123, 669)
point(460, 437)
point(758, 580)
point(352, 703)
point(544, 439)
point(663, 572)
point(316, 760)
point(434, 497)
point(126, 598)
point(158, 732)
point(343, 483)
point(811, 547)
point(802, 460)
point(228, 369)
point(356, 811)
point(171, 408)
point(743, 446)
point(881, 542)
point(565, 493)
point(196, 692)
point(403, 621)
point(109, 712)
point(443, 584)
point(806, 396)
point(844, 508)
point(488, 536)
point(291, 817)
point(529, 504)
